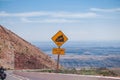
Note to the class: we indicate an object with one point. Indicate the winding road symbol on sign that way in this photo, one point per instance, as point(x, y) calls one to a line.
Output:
point(60, 38)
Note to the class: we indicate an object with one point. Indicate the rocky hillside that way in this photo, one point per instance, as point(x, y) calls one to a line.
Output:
point(17, 53)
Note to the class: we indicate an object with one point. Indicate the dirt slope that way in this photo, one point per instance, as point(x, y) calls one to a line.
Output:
point(17, 53)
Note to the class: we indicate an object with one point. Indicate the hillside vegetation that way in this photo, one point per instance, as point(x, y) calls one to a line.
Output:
point(85, 71)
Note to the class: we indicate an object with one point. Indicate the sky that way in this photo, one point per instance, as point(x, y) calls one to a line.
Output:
point(79, 20)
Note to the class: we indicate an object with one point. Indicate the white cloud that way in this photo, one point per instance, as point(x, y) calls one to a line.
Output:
point(49, 14)
point(24, 14)
point(4, 14)
point(105, 10)
point(76, 15)
point(49, 21)
point(48, 17)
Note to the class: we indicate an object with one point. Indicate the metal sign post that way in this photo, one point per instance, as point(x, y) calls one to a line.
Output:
point(59, 39)
point(58, 60)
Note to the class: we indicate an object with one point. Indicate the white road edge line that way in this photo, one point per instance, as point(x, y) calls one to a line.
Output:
point(18, 77)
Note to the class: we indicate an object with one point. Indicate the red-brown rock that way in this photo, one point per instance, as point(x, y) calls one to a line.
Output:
point(17, 53)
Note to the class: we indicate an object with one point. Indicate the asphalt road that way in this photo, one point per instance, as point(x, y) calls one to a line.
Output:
point(15, 77)
point(57, 76)
point(11, 76)
point(52, 76)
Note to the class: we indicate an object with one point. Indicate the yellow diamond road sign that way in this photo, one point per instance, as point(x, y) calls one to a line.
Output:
point(59, 38)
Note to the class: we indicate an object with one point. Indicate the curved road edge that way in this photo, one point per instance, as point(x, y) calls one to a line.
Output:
point(59, 76)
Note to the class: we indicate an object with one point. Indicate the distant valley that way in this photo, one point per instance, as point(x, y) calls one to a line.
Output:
point(86, 54)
